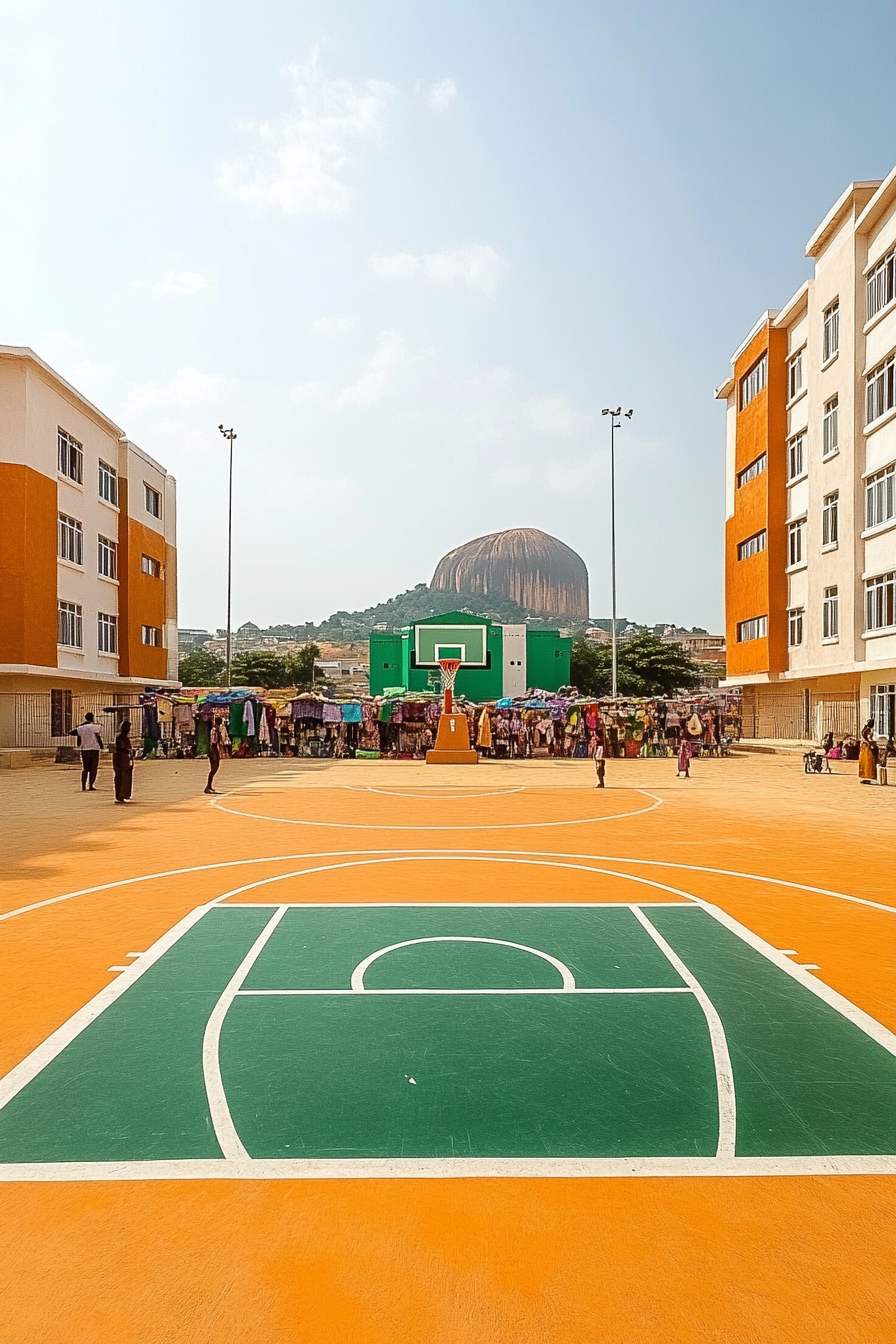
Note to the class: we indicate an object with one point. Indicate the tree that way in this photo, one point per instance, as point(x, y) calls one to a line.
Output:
point(260, 669)
point(645, 666)
point(300, 667)
point(200, 668)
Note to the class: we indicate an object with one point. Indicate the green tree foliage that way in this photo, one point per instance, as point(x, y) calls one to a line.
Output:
point(259, 669)
point(645, 666)
point(300, 667)
point(200, 668)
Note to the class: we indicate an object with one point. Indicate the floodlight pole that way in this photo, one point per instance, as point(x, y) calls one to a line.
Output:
point(230, 435)
point(615, 423)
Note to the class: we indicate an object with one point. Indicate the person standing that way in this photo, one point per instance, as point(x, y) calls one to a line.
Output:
point(600, 758)
point(684, 757)
point(214, 755)
point(123, 763)
point(868, 755)
point(91, 744)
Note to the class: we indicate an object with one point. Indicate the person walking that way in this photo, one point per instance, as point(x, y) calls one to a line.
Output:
point(91, 744)
point(214, 755)
point(123, 763)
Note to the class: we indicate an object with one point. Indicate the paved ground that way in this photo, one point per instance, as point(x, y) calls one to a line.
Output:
point(648, 1259)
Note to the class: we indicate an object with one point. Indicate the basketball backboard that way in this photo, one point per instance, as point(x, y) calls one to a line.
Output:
point(466, 642)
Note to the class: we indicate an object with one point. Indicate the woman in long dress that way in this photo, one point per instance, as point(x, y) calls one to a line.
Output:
point(868, 755)
point(123, 763)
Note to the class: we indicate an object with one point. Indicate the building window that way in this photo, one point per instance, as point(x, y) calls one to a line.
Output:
point(880, 286)
point(752, 546)
point(880, 497)
point(882, 706)
point(829, 519)
point(152, 635)
point(69, 630)
point(107, 633)
point(754, 469)
point(70, 539)
point(756, 628)
point(70, 458)
point(830, 614)
point(795, 457)
point(149, 565)
point(830, 428)
point(795, 543)
point(880, 390)
point(880, 601)
point(153, 501)
point(831, 340)
point(754, 381)
point(795, 375)
point(108, 486)
point(107, 558)
point(795, 627)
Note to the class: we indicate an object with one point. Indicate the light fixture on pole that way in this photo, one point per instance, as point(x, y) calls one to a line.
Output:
point(615, 423)
point(230, 435)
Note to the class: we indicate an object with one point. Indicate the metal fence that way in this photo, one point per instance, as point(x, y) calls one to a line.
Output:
point(800, 714)
point(46, 718)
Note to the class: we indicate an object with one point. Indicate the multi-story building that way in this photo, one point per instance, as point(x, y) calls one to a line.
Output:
point(810, 549)
point(88, 565)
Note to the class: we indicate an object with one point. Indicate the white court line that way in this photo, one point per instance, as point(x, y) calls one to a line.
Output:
point(446, 854)
point(357, 980)
point(218, 804)
point(436, 795)
point(225, 1131)
point(718, 1040)
point(440, 1168)
point(286, 993)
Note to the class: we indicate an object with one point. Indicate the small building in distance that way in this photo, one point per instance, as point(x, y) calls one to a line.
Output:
point(500, 660)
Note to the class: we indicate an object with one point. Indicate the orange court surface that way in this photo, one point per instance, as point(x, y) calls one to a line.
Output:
point(332, 1163)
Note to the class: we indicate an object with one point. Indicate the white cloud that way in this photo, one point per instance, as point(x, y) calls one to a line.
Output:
point(188, 387)
point(330, 326)
point(441, 95)
point(554, 415)
point(478, 266)
point(375, 380)
point(298, 165)
point(180, 282)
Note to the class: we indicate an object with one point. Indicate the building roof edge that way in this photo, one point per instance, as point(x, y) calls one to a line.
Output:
point(25, 352)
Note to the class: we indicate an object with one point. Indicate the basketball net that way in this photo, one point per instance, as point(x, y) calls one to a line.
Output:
point(450, 668)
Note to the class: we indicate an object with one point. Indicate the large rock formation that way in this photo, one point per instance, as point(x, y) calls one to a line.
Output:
point(524, 564)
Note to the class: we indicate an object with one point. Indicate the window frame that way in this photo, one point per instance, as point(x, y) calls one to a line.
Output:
point(886, 479)
point(746, 548)
point(107, 475)
point(830, 521)
point(795, 375)
point(796, 456)
point(752, 470)
point(110, 548)
point(795, 617)
point(881, 278)
point(880, 390)
point(153, 631)
point(753, 381)
point(795, 543)
point(69, 533)
point(830, 615)
point(830, 340)
point(146, 566)
point(756, 627)
point(69, 620)
point(151, 493)
point(830, 428)
point(880, 602)
point(106, 632)
point(69, 456)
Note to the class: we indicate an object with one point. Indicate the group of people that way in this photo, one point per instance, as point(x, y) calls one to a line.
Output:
point(90, 741)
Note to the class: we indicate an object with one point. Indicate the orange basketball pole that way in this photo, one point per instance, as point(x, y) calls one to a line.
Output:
point(453, 738)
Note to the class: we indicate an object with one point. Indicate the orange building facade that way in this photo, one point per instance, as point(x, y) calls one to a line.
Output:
point(88, 558)
point(810, 531)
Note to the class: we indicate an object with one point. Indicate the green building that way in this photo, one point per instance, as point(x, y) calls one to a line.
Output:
point(496, 660)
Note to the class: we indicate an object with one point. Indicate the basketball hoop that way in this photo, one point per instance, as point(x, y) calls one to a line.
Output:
point(450, 668)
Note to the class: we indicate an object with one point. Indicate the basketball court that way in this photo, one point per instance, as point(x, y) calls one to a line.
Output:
point(386, 1051)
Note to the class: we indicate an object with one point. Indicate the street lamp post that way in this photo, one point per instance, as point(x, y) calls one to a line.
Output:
point(615, 423)
point(230, 435)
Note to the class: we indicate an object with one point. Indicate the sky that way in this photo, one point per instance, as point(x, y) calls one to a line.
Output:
point(410, 250)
